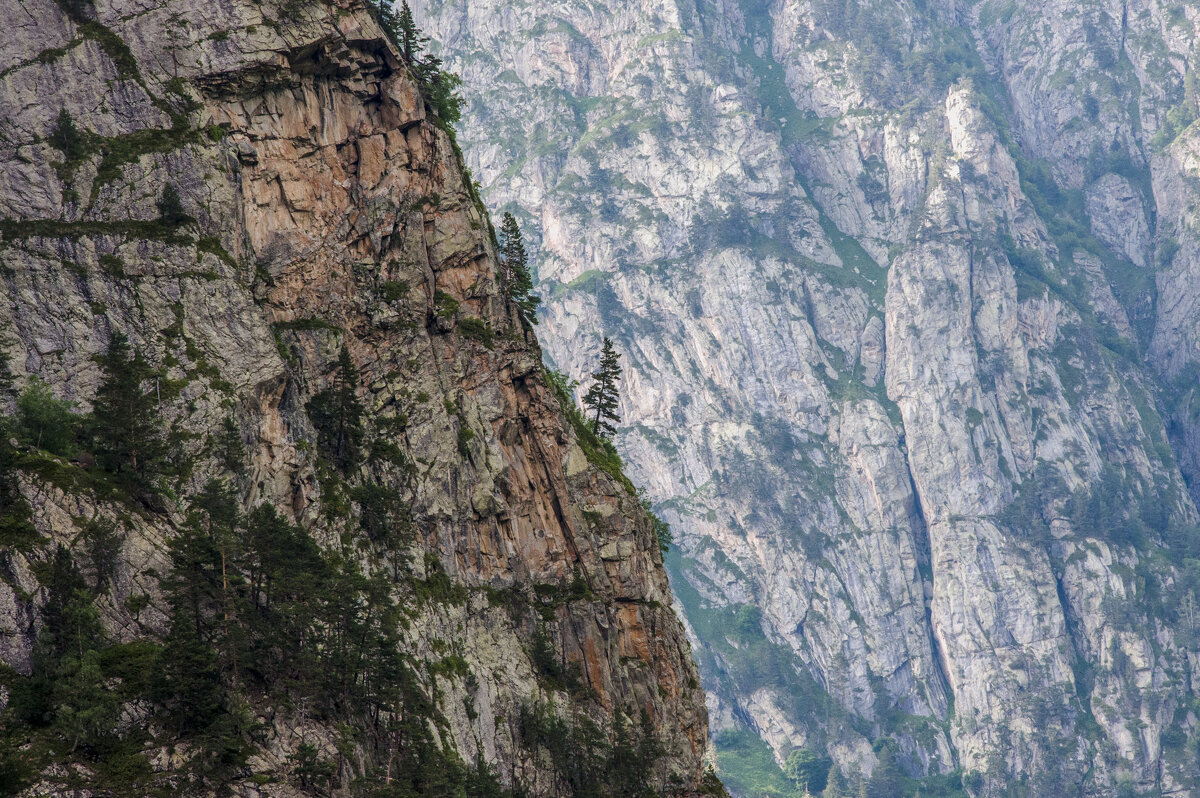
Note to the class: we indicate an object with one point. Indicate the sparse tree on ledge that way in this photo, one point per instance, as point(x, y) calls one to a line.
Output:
point(601, 397)
point(438, 86)
point(411, 41)
point(514, 270)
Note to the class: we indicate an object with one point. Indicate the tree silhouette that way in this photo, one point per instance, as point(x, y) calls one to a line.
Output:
point(125, 421)
point(601, 398)
point(337, 414)
point(170, 207)
point(7, 383)
point(411, 41)
point(514, 270)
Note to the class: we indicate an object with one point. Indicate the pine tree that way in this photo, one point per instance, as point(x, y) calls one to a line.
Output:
point(336, 413)
point(216, 512)
point(886, 779)
point(7, 385)
point(67, 690)
point(203, 640)
point(67, 139)
point(514, 270)
point(229, 447)
point(835, 786)
point(170, 207)
point(601, 398)
point(410, 40)
point(16, 524)
point(512, 247)
point(193, 587)
point(288, 589)
point(125, 421)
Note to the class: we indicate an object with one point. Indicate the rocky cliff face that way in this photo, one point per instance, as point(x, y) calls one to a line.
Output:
point(245, 190)
point(907, 296)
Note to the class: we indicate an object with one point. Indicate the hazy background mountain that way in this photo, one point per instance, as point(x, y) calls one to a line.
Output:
point(908, 294)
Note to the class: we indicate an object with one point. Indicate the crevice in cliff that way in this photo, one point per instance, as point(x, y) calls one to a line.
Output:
point(923, 549)
point(1081, 669)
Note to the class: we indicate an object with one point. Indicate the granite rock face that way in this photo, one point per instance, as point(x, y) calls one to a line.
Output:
point(326, 209)
point(907, 294)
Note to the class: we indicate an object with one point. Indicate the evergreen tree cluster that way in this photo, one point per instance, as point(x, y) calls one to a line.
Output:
point(126, 428)
point(123, 433)
point(259, 614)
point(16, 528)
point(515, 278)
point(437, 85)
point(595, 763)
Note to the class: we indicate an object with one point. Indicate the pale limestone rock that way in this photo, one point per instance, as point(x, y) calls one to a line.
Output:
point(868, 376)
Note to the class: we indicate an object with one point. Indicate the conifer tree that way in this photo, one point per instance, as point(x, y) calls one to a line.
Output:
point(67, 139)
point(170, 207)
point(67, 690)
point(16, 524)
point(514, 270)
point(601, 398)
point(16, 528)
point(7, 386)
point(410, 40)
point(835, 786)
point(201, 643)
point(125, 420)
point(336, 413)
point(230, 449)
point(512, 247)
point(217, 513)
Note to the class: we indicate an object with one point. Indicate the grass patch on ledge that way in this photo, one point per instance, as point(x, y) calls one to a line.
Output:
point(746, 764)
point(476, 329)
point(153, 230)
point(600, 452)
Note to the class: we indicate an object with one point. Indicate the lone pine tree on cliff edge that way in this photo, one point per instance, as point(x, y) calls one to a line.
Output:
point(601, 398)
point(514, 274)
